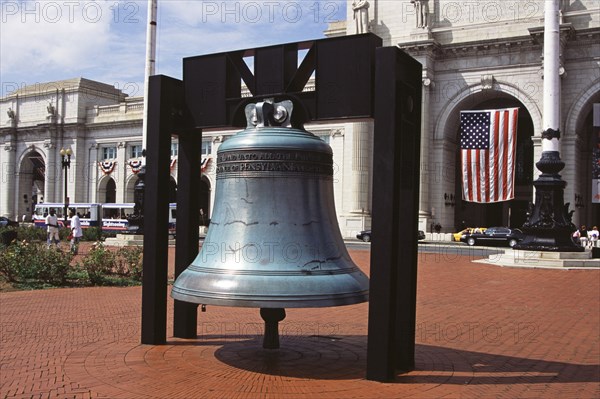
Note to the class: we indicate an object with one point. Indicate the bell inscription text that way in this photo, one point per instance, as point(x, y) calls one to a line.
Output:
point(254, 163)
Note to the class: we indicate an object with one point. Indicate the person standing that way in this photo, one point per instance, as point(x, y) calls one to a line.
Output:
point(583, 236)
point(52, 226)
point(76, 232)
point(593, 236)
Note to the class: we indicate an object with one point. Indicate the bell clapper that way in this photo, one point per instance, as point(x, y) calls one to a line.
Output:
point(272, 317)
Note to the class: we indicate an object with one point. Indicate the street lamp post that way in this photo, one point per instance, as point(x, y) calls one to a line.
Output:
point(65, 155)
point(548, 226)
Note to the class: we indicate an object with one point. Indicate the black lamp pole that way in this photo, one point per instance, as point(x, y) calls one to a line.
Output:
point(65, 156)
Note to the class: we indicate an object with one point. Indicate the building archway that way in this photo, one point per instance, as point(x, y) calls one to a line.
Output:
point(446, 197)
point(453, 212)
point(172, 190)
point(107, 190)
point(511, 213)
point(204, 199)
point(130, 189)
point(32, 176)
point(587, 211)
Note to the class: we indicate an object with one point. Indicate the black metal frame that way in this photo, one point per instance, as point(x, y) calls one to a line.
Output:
point(354, 78)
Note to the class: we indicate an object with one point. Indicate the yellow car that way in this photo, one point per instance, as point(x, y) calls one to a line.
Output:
point(468, 230)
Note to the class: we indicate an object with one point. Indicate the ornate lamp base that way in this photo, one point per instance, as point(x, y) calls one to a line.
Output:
point(136, 220)
point(549, 226)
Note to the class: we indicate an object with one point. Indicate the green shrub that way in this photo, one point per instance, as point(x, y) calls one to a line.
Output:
point(24, 261)
point(10, 262)
point(129, 261)
point(31, 234)
point(92, 234)
point(99, 263)
point(33, 265)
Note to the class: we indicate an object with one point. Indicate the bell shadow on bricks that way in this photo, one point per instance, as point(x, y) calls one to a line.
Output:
point(344, 357)
point(440, 365)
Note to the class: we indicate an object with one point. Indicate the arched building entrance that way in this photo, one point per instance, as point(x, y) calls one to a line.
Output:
point(587, 208)
point(452, 213)
point(508, 213)
point(107, 190)
point(172, 190)
point(130, 189)
point(32, 174)
point(204, 198)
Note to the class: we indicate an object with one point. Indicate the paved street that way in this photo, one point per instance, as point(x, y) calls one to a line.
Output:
point(482, 332)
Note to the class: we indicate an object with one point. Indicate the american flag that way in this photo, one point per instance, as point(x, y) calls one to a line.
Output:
point(488, 141)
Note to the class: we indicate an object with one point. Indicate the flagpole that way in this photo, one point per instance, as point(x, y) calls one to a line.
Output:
point(548, 226)
point(136, 221)
point(150, 65)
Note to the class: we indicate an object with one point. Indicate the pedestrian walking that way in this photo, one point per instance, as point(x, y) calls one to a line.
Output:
point(52, 228)
point(76, 232)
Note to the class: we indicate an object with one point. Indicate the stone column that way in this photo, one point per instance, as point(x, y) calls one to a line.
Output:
point(52, 173)
point(424, 187)
point(361, 151)
point(120, 173)
point(9, 175)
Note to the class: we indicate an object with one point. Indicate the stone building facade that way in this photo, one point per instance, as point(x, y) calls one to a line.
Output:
point(475, 55)
point(103, 128)
point(484, 55)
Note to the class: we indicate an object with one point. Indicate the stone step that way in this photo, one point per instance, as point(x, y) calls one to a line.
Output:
point(128, 240)
point(544, 259)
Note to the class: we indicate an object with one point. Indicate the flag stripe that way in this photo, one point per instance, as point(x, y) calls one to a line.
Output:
point(505, 155)
point(488, 148)
point(496, 154)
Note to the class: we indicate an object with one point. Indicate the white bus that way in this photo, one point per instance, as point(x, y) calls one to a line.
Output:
point(114, 217)
point(111, 217)
point(89, 214)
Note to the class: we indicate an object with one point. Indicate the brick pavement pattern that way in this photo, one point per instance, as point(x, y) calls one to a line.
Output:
point(482, 332)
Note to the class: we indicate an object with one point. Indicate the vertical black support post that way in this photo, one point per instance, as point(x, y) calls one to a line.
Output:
point(392, 297)
point(163, 95)
point(185, 316)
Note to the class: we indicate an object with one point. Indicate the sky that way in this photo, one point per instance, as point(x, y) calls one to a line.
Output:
point(105, 40)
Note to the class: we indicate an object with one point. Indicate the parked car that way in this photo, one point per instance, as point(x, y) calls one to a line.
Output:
point(6, 222)
point(468, 230)
point(494, 236)
point(365, 235)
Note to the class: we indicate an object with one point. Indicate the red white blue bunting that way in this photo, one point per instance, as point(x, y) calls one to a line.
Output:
point(107, 167)
point(204, 163)
point(135, 165)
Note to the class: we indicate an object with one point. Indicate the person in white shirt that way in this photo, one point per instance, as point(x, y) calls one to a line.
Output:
point(52, 223)
point(76, 232)
point(593, 236)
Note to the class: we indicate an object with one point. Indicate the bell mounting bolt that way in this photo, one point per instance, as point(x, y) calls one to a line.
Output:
point(269, 113)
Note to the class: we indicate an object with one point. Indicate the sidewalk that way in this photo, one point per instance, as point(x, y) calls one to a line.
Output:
point(482, 332)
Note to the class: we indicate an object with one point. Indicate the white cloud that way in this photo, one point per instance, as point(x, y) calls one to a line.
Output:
point(53, 40)
point(104, 40)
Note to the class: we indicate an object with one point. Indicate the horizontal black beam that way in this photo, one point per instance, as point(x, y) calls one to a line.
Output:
point(343, 74)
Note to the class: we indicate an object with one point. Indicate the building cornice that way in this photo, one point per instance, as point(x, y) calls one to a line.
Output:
point(114, 124)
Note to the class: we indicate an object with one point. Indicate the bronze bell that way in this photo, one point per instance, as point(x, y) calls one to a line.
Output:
point(273, 241)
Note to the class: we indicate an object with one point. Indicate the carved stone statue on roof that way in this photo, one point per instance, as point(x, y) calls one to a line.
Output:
point(361, 15)
point(422, 12)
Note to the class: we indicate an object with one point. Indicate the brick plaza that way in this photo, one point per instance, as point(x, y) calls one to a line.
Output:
point(483, 331)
